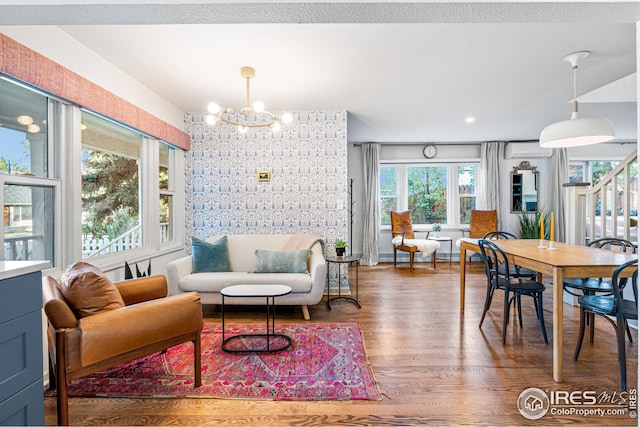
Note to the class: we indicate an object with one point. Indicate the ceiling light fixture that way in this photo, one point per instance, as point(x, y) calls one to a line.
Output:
point(24, 120)
point(576, 131)
point(248, 116)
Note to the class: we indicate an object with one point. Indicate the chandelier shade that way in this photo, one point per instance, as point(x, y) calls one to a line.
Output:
point(249, 116)
point(577, 131)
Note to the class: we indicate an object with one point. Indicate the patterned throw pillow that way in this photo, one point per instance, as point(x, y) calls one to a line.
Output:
point(210, 257)
point(282, 261)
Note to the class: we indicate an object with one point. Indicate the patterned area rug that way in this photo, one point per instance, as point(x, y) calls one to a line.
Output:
point(327, 361)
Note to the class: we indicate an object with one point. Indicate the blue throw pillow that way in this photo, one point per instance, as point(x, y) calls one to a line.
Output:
point(282, 261)
point(212, 257)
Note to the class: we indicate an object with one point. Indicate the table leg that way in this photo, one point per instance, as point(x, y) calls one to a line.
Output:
point(463, 272)
point(557, 323)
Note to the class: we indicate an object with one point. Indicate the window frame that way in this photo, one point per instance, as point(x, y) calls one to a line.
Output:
point(64, 147)
point(453, 198)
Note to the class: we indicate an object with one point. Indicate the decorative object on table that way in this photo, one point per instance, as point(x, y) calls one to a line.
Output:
point(576, 131)
point(327, 362)
point(128, 274)
point(341, 247)
point(437, 228)
point(249, 116)
point(403, 239)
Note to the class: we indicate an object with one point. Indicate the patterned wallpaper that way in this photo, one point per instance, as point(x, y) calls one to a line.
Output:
point(307, 191)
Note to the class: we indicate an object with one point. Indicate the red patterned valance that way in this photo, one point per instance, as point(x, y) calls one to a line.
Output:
point(24, 64)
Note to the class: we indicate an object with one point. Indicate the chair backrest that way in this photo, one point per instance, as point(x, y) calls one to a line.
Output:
point(613, 243)
point(495, 235)
point(482, 222)
point(619, 283)
point(495, 262)
point(401, 223)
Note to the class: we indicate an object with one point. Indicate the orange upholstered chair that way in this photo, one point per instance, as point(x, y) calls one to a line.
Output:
point(482, 222)
point(95, 324)
point(402, 225)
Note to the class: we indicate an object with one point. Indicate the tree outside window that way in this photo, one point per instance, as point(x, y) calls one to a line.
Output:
point(427, 194)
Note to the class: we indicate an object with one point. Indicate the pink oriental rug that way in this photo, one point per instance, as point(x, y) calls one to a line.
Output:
point(327, 361)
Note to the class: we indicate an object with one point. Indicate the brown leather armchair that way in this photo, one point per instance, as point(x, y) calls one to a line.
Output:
point(149, 322)
point(480, 223)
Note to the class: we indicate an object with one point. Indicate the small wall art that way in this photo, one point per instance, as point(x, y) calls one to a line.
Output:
point(264, 176)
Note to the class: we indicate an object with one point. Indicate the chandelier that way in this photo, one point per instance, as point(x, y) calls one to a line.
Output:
point(248, 116)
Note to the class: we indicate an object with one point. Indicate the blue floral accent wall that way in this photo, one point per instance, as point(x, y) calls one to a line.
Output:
point(307, 190)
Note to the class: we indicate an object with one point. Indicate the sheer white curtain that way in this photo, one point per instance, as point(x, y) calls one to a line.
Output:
point(559, 176)
point(491, 155)
point(371, 226)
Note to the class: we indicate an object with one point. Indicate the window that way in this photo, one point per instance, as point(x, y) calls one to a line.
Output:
point(167, 189)
point(110, 187)
point(28, 236)
point(23, 131)
point(388, 193)
point(466, 192)
point(434, 193)
point(121, 187)
point(27, 193)
point(427, 194)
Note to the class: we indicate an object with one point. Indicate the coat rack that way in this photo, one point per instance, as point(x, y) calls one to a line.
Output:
point(351, 203)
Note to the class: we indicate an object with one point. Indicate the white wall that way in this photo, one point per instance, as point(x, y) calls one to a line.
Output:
point(48, 40)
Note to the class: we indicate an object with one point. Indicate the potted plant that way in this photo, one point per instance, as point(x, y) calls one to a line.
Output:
point(436, 229)
point(341, 246)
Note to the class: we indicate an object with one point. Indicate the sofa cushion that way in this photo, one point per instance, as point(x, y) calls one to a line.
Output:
point(210, 257)
point(88, 291)
point(214, 282)
point(282, 261)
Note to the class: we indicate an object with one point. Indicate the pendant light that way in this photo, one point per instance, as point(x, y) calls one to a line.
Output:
point(576, 131)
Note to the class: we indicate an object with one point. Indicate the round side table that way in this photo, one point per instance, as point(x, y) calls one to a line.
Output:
point(342, 260)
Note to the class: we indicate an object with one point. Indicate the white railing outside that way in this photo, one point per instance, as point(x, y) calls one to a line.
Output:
point(128, 240)
point(19, 248)
point(610, 207)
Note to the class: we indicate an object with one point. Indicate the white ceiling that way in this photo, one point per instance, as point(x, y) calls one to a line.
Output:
point(408, 72)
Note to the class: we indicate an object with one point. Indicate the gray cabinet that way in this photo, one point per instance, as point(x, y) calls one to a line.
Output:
point(21, 369)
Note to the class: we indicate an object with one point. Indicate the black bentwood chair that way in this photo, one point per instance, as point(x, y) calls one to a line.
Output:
point(617, 307)
point(515, 271)
point(598, 285)
point(499, 277)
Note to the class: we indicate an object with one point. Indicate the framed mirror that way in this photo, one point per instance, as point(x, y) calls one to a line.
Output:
point(524, 188)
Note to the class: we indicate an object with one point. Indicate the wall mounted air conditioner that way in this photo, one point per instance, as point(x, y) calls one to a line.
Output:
point(525, 150)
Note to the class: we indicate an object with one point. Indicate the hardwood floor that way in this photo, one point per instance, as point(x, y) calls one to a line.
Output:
point(434, 366)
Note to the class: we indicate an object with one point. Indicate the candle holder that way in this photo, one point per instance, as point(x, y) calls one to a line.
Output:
point(552, 246)
point(541, 244)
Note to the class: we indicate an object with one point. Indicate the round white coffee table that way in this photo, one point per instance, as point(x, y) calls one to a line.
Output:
point(269, 292)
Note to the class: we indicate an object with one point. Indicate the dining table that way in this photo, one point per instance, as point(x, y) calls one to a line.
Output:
point(563, 260)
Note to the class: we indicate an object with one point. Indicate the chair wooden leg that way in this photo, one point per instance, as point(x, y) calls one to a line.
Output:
point(62, 385)
point(395, 252)
point(197, 361)
point(583, 319)
point(487, 303)
point(410, 261)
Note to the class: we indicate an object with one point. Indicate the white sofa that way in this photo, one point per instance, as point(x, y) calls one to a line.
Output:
point(307, 288)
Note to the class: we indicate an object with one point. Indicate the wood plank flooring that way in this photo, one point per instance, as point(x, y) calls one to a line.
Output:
point(434, 366)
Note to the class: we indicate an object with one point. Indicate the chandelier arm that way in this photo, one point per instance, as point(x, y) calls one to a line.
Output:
point(272, 120)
